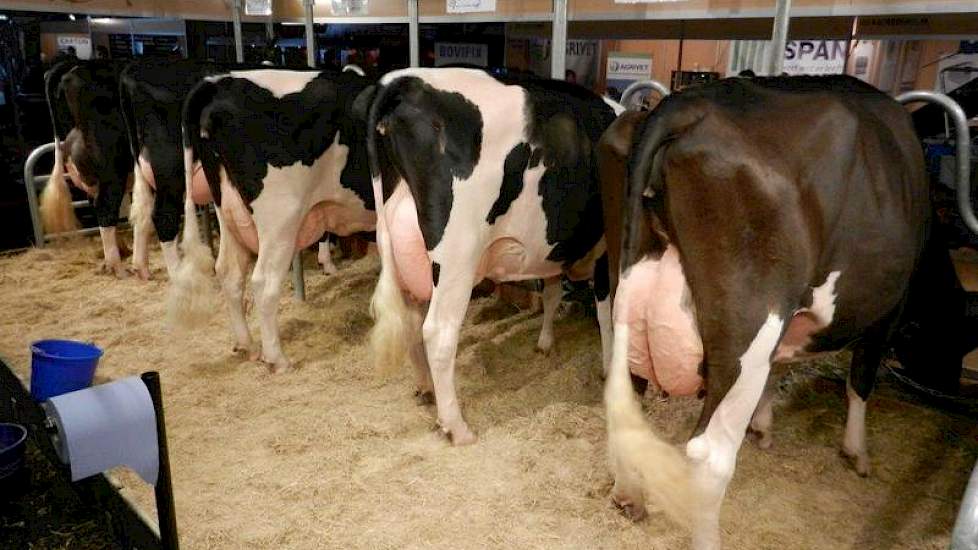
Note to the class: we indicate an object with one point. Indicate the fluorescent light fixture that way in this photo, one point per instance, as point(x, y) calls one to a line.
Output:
point(71, 16)
point(293, 23)
point(3, 17)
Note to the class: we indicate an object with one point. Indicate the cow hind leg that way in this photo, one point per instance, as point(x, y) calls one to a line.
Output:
point(551, 300)
point(440, 331)
point(325, 255)
point(277, 224)
point(866, 357)
point(761, 422)
point(233, 261)
point(602, 303)
point(425, 392)
point(140, 216)
point(727, 412)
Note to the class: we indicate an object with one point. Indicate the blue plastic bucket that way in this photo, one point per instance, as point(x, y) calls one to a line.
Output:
point(13, 442)
point(61, 366)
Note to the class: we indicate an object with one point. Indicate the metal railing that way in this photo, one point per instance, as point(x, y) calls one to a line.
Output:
point(32, 182)
point(963, 148)
point(635, 88)
point(965, 533)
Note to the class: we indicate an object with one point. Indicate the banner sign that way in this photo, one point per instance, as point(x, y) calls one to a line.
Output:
point(349, 7)
point(580, 61)
point(82, 45)
point(447, 53)
point(258, 7)
point(626, 68)
point(469, 6)
point(815, 57)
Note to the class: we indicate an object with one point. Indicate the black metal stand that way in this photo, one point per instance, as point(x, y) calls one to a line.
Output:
point(165, 509)
point(96, 491)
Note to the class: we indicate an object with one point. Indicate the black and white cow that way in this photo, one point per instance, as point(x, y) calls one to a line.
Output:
point(90, 146)
point(477, 177)
point(787, 215)
point(285, 157)
point(152, 94)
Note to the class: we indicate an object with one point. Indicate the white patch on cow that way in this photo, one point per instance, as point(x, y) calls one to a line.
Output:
point(280, 82)
point(552, 292)
point(325, 258)
point(615, 106)
point(854, 442)
point(110, 250)
point(171, 257)
point(714, 452)
point(823, 299)
point(352, 68)
point(280, 211)
point(140, 216)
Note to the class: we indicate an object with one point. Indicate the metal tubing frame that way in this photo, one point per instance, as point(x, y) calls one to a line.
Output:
point(414, 34)
point(165, 509)
point(236, 22)
point(558, 41)
point(779, 37)
point(636, 87)
point(963, 152)
point(30, 183)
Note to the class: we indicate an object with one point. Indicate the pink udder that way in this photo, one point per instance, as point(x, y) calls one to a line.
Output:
point(200, 192)
point(411, 259)
point(664, 344)
point(321, 217)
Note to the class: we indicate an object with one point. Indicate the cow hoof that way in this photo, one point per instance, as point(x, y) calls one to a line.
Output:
point(243, 351)
point(461, 436)
point(544, 350)
point(118, 270)
point(277, 366)
point(142, 272)
point(631, 510)
point(424, 397)
point(763, 440)
point(329, 269)
point(859, 461)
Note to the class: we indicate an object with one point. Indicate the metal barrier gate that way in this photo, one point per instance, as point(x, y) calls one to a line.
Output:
point(965, 533)
point(31, 181)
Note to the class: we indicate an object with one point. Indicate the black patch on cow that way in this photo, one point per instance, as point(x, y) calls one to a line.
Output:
point(513, 169)
point(437, 136)
point(565, 124)
point(152, 93)
point(248, 129)
point(435, 272)
point(602, 283)
point(97, 143)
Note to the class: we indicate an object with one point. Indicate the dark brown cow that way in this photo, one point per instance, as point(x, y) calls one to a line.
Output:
point(791, 214)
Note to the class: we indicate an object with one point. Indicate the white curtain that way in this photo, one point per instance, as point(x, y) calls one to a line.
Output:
point(749, 54)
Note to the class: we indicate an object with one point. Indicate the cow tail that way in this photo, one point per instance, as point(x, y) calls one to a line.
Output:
point(643, 463)
point(391, 334)
point(57, 211)
point(192, 297)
